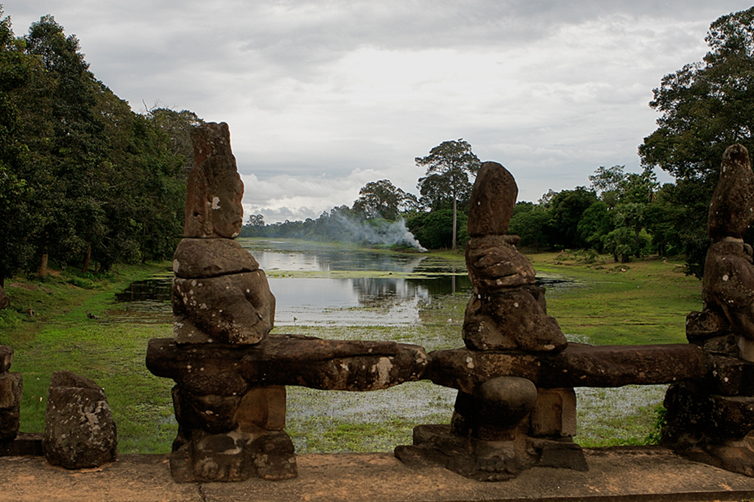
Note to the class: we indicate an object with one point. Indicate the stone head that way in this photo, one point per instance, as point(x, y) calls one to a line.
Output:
point(215, 190)
point(492, 201)
point(732, 208)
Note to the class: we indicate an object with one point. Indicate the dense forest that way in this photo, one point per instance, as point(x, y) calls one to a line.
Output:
point(84, 181)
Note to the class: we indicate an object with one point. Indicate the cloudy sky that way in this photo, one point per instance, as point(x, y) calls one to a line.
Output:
point(324, 96)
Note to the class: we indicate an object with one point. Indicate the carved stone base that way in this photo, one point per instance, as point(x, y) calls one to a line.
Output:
point(734, 456)
point(488, 460)
point(234, 456)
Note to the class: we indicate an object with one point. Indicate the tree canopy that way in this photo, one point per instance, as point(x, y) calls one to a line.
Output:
point(82, 177)
point(446, 183)
point(706, 106)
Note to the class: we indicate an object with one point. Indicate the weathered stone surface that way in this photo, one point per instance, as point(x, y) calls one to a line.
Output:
point(262, 407)
point(24, 445)
point(79, 427)
point(730, 376)
point(494, 264)
point(488, 460)
point(509, 397)
point(215, 190)
point(237, 308)
point(200, 258)
point(520, 317)
point(4, 300)
point(6, 358)
point(728, 275)
point(492, 201)
point(9, 423)
point(706, 324)
point(578, 365)
point(711, 418)
point(732, 208)
point(554, 414)
point(234, 456)
point(294, 360)
point(480, 331)
point(496, 409)
point(11, 388)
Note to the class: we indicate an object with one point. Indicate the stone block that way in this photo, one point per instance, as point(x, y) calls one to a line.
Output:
point(214, 190)
point(492, 200)
point(237, 308)
point(9, 423)
point(202, 258)
point(79, 427)
point(262, 407)
point(706, 324)
point(494, 264)
point(690, 410)
point(480, 331)
point(11, 388)
point(554, 413)
point(730, 376)
point(6, 358)
point(234, 456)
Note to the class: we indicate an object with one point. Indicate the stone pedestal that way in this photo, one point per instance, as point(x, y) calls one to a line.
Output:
point(11, 388)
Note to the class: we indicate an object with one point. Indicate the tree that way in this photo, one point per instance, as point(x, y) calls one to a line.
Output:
point(16, 225)
point(706, 106)
point(383, 199)
point(531, 222)
point(448, 166)
point(434, 229)
point(566, 209)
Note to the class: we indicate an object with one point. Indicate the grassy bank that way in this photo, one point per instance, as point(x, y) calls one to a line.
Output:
point(606, 303)
point(105, 346)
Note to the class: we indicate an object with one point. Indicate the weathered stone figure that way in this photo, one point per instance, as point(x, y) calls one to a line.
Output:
point(219, 293)
point(728, 288)
point(508, 310)
point(228, 431)
point(501, 424)
point(11, 389)
point(712, 421)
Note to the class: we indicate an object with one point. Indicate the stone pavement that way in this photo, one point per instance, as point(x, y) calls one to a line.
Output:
point(620, 474)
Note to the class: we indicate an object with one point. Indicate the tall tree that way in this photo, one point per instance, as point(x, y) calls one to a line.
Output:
point(68, 197)
point(383, 199)
point(16, 225)
point(706, 106)
point(449, 166)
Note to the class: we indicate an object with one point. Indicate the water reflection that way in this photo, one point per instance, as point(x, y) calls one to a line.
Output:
point(332, 261)
point(357, 301)
point(354, 301)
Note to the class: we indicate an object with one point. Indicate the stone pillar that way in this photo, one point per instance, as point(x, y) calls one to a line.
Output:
point(11, 388)
point(713, 421)
point(230, 429)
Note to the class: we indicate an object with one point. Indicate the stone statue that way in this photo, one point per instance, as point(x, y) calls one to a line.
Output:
point(728, 286)
point(219, 292)
point(507, 310)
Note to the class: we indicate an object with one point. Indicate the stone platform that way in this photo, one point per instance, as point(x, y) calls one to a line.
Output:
point(615, 474)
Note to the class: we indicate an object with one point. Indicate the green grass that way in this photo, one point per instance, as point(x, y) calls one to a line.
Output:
point(61, 336)
point(643, 302)
point(638, 303)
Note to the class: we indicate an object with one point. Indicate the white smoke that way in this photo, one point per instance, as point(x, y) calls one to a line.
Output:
point(379, 232)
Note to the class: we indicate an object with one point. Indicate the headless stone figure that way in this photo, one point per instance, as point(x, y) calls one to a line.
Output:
point(508, 310)
point(728, 286)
